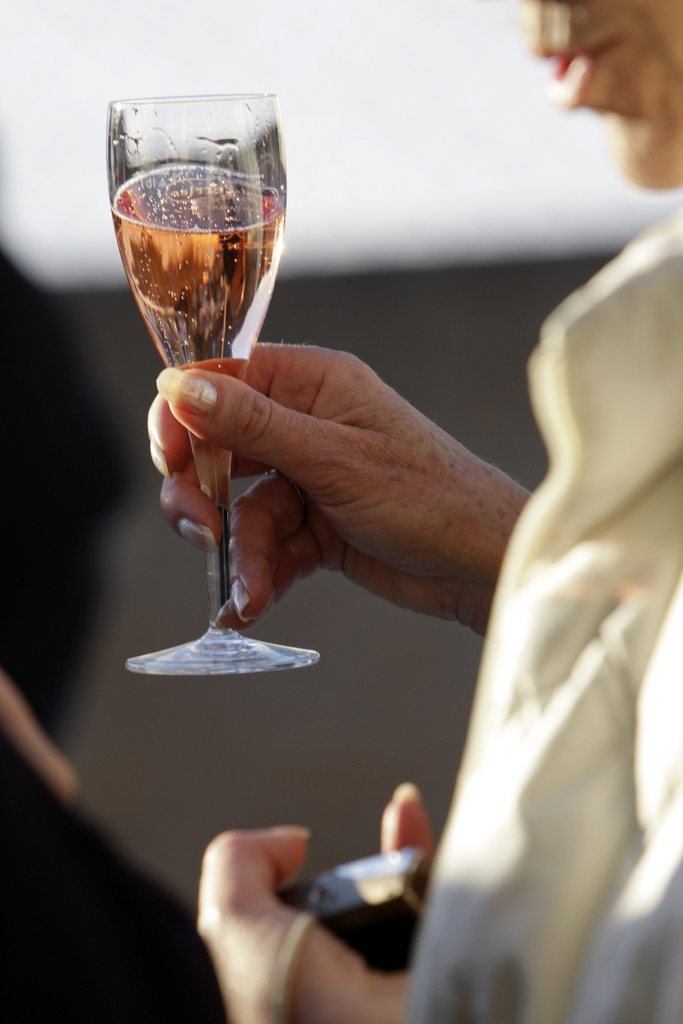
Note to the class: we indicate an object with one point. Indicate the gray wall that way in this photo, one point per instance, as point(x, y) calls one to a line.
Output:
point(166, 764)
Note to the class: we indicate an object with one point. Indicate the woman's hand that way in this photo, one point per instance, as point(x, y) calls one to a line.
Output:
point(386, 496)
point(246, 927)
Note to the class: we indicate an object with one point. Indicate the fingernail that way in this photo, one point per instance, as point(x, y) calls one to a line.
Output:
point(180, 387)
point(297, 830)
point(200, 536)
point(240, 598)
point(405, 792)
point(158, 458)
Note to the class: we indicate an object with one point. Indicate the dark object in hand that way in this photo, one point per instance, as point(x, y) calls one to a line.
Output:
point(373, 904)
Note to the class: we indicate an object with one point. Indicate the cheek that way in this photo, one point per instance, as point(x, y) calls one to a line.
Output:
point(658, 67)
point(641, 85)
point(632, 84)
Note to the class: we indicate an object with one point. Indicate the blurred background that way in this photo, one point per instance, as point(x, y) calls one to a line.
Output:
point(438, 209)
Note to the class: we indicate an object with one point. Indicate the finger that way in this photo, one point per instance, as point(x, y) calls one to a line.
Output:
point(190, 512)
point(241, 870)
point(405, 821)
point(274, 370)
point(234, 416)
point(269, 549)
point(255, 590)
point(168, 439)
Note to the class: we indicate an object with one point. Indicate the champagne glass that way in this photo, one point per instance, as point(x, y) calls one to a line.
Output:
point(197, 187)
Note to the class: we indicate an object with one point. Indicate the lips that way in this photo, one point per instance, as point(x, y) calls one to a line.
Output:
point(567, 34)
point(575, 69)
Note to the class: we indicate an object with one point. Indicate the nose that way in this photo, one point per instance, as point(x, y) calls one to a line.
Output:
point(547, 25)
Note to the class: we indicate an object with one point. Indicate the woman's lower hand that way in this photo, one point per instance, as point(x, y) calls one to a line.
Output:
point(247, 930)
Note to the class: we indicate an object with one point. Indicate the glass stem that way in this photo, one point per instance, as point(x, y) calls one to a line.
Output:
point(218, 570)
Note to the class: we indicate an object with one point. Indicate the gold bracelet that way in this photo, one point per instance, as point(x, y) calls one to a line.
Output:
point(285, 966)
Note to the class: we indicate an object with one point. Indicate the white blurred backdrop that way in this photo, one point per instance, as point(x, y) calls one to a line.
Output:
point(415, 133)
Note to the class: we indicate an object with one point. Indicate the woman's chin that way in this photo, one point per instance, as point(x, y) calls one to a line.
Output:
point(647, 157)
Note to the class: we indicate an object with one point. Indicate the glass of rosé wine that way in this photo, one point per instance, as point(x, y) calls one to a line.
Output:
point(198, 193)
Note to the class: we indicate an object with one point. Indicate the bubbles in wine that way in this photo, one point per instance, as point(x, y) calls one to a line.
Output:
point(200, 246)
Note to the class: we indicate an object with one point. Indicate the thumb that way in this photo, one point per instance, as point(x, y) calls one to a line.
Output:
point(236, 417)
point(405, 821)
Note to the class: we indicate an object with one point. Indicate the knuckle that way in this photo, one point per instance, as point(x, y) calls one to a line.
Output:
point(221, 892)
point(209, 922)
point(224, 849)
point(355, 367)
point(252, 416)
point(248, 512)
point(168, 500)
point(239, 508)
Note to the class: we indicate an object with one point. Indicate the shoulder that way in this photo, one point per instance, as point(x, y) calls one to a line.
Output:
point(644, 281)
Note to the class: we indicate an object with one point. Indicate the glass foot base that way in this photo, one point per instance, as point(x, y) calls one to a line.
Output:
point(221, 652)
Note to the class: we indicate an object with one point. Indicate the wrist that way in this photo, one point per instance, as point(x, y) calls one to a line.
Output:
point(333, 985)
point(286, 965)
point(486, 504)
